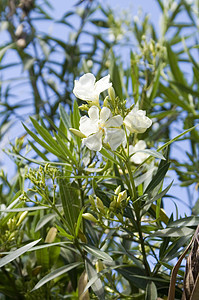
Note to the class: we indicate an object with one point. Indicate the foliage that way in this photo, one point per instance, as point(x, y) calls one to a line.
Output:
point(84, 224)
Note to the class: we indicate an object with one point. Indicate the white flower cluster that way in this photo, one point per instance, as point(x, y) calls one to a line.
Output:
point(100, 126)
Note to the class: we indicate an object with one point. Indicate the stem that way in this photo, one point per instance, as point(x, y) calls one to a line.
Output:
point(145, 262)
point(133, 188)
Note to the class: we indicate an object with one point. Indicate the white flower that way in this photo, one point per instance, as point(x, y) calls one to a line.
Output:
point(87, 89)
point(138, 157)
point(101, 124)
point(137, 121)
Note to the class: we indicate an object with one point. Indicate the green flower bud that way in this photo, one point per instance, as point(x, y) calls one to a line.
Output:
point(118, 190)
point(111, 93)
point(121, 196)
point(22, 217)
point(89, 217)
point(100, 205)
point(77, 132)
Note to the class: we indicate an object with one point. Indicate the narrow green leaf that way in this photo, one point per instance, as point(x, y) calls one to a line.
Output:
point(42, 143)
point(48, 138)
point(173, 63)
point(64, 233)
point(155, 85)
point(151, 291)
point(10, 257)
point(96, 252)
point(116, 78)
point(65, 117)
point(42, 155)
point(97, 286)
point(79, 221)
point(174, 98)
point(58, 272)
point(151, 153)
point(159, 176)
point(108, 155)
point(173, 232)
point(188, 221)
point(135, 77)
point(71, 203)
point(28, 208)
point(176, 138)
point(44, 220)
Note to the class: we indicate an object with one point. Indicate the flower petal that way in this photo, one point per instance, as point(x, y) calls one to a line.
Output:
point(137, 121)
point(140, 145)
point(88, 126)
point(93, 142)
point(94, 113)
point(105, 114)
point(103, 84)
point(115, 137)
point(84, 88)
point(115, 121)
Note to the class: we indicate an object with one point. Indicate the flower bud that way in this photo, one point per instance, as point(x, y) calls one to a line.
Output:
point(21, 43)
point(100, 205)
point(89, 217)
point(105, 104)
point(113, 205)
point(111, 93)
point(118, 190)
point(22, 217)
point(99, 266)
point(19, 30)
point(77, 132)
point(51, 235)
point(122, 196)
point(91, 200)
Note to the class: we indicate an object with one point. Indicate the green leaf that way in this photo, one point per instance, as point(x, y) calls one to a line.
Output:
point(159, 176)
point(79, 221)
point(65, 117)
point(173, 63)
point(155, 84)
point(58, 272)
point(10, 257)
point(172, 97)
point(135, 77)
point(188, 221)
point(59, 244)
point(48, 138)
point(108, 155)
point(28, 208)
point(64, 233)
point(97, 286)
point(116, 79)
point(176, 138)
point(174, 232)
point(100, 23)
point(44, 220)
point(71, 203)
point(151, 291)
point(42, 143)
point(97, 253)
point(151, 153)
